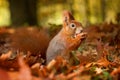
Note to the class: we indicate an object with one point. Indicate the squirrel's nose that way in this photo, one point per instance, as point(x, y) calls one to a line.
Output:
point(79, 30)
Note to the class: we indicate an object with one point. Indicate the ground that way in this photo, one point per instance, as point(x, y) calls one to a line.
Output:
point(97, 58)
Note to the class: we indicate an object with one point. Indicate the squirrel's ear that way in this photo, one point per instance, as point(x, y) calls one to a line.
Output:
point(67, 16)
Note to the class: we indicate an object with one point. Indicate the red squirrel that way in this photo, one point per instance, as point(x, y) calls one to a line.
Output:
point(68, 39)
point(36, 41)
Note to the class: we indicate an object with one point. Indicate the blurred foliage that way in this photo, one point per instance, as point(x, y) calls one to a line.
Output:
point(4, 13)
point(86, 11)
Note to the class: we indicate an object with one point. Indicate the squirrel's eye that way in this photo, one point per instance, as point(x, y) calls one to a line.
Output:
point(72, 25)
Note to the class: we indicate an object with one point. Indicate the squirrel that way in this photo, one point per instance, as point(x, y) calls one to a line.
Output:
point(68, 39)
point(38, 43)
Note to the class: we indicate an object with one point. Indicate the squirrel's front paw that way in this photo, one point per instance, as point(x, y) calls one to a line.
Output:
point(82, 35)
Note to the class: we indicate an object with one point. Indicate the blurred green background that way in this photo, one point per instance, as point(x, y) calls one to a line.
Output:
point(50, 11)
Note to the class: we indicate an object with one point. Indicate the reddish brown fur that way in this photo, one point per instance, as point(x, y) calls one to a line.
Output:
point(30, 39)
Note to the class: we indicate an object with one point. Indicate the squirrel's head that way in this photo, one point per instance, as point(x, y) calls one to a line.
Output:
point(70, 25)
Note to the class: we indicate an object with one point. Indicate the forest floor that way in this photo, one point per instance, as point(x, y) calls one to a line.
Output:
point(97, 58)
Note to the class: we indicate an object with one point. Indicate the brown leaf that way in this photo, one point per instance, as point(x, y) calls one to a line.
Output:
point(115, 71)
point(25, 73)
point(5, 56)
point(77, 72)
point(4, 75)
point(103, 62)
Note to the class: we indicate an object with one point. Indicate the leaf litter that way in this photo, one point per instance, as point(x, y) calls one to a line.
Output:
point(97, 58)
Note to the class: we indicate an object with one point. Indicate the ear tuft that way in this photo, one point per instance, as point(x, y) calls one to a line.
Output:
point(67, 16)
